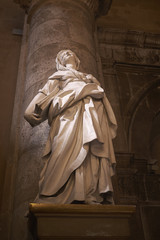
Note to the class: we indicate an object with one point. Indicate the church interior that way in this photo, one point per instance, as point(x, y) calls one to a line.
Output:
point(118, 41)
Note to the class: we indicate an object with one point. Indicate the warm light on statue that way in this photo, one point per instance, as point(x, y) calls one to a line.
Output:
point(79, 153)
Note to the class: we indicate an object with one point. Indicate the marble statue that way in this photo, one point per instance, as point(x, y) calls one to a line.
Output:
point(79, 153)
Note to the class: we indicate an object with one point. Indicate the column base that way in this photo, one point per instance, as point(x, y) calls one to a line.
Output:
point(75, 221)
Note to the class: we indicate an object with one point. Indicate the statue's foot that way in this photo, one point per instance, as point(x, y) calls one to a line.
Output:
point(107, 198)
point(92, 202)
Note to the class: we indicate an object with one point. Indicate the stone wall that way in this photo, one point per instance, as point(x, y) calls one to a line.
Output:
point(131, 68)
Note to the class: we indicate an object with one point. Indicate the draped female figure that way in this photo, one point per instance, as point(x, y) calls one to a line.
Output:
point(79, 155)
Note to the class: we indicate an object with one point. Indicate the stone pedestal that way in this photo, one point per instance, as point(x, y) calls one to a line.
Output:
point(74, 221)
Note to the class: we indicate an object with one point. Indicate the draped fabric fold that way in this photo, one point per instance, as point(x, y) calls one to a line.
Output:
point(79, 152)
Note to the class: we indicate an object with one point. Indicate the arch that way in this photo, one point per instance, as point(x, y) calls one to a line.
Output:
point(133, 109)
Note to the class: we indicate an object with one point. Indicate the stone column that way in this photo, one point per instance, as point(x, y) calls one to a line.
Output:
point(53, 25)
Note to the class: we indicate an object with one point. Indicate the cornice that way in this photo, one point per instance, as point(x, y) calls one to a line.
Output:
point(129, 38)
point(98, 7)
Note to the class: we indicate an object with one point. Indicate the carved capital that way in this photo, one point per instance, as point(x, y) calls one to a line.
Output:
point(98, 7)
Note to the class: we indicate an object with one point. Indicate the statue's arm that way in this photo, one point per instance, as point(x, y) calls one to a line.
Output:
point(30, 115)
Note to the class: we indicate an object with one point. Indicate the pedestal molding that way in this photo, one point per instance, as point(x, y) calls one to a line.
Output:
point(81, 209)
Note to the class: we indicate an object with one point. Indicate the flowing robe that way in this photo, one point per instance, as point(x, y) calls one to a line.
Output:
point(79, 153)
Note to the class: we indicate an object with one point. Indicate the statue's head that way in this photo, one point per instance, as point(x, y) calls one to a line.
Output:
point(65, 57)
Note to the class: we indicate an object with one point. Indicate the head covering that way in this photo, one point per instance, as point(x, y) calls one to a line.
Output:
point(60, 60)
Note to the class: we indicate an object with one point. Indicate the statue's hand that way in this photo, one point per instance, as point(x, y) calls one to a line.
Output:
point(33, 118)
point(89, 76)
point(92, 79)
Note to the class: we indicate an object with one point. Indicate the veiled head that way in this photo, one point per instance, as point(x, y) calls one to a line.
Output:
point(64, 57)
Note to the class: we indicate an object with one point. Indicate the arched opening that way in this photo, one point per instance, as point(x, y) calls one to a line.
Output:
point(145, 127)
